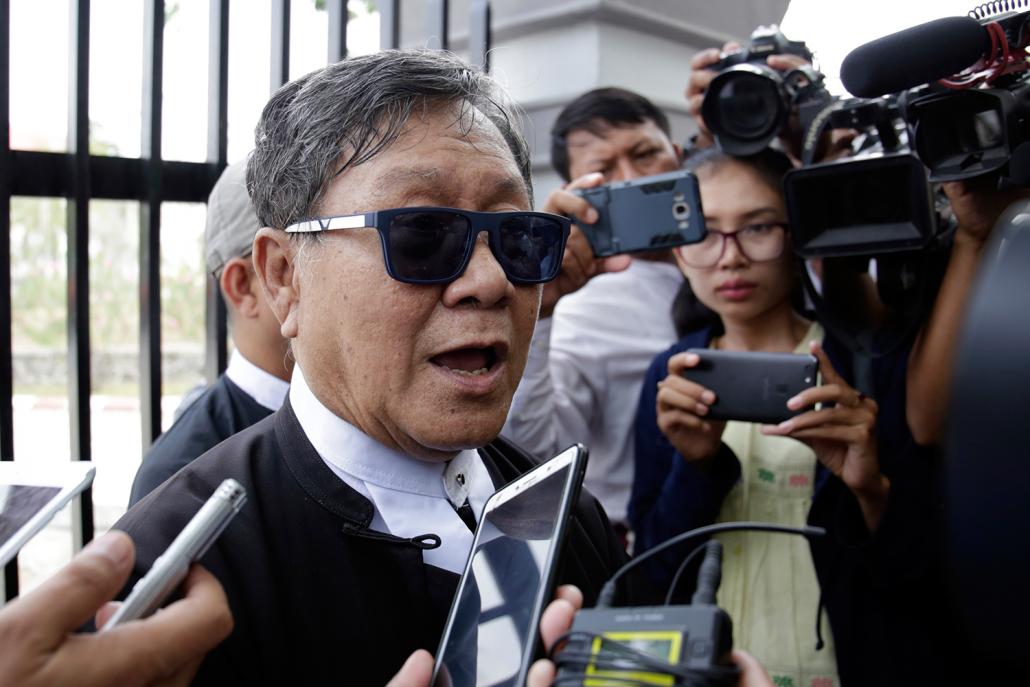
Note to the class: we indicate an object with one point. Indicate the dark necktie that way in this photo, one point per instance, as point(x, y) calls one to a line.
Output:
point(467, 516)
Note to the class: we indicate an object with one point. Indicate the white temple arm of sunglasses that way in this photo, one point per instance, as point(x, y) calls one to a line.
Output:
point(329, 223)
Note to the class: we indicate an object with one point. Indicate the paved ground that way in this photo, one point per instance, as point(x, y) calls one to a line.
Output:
point(41, 434)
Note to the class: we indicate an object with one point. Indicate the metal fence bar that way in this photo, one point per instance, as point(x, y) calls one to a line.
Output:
point(10, 577)
point(479, 33)
point(48, 175)
point(280, 44)
point(150, 224)
point(436, 24)
point(389, 24)
point(81, 177)
point(337, 30)
point(6, 368)
point(215, 331)
point(79, 380)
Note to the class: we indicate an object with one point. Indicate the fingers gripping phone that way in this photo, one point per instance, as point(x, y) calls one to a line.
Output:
point(753, 387)
point(650, 213)
point(491, 633)
point(171, 567)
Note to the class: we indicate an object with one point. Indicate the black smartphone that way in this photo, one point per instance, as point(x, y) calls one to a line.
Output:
point(753, 387)
point(650, 213)
point(492, 634)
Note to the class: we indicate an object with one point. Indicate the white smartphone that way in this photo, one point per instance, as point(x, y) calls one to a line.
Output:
point(31, 494)
point(491, 632)
point(188, 547)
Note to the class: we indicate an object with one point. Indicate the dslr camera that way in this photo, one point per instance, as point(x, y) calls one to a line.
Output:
point(748, 103)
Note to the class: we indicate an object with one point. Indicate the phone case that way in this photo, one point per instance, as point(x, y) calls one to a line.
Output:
point(753, 387)
point(650, 213)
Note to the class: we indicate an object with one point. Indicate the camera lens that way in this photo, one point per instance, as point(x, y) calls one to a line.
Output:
point(747, 105)
point(745, 108)
point(681, 211)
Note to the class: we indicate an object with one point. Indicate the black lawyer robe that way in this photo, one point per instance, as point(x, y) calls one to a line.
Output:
point(317, 597)
point(220, 412)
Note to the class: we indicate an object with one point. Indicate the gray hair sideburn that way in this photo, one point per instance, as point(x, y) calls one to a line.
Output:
point(345, 114)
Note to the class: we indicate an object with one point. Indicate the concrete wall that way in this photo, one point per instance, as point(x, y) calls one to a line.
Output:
point(547, 52)
point(181, 365)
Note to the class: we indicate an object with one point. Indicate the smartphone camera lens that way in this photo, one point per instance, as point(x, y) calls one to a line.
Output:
point(681, 211)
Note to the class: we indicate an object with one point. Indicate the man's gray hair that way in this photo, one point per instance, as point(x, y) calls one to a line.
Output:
point(321, 124)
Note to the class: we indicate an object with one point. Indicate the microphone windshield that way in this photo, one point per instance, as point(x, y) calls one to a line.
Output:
point(915, 56)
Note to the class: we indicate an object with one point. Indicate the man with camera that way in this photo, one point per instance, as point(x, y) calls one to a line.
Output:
point(594, 341)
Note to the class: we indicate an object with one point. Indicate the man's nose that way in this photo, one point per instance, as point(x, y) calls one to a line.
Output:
point(624, 169)
point(483, 282)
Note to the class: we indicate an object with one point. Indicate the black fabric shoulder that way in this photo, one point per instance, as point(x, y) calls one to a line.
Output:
point(220, 412)
point(313, 475)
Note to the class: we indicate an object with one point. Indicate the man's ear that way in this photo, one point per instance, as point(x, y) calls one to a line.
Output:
point(679, 152)
point(276, 271)
point(237, 287)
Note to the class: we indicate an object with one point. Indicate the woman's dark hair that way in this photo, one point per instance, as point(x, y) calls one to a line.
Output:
point(688, 312)
point(595, 111)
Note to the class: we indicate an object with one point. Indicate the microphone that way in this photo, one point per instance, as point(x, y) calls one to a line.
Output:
point(915, 56)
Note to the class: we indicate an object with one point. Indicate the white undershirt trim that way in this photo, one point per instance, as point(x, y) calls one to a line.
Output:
point(267, 389)
point(410, 497)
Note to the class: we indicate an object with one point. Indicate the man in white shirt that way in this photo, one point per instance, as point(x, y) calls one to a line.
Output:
point(255, 383)
point(400, 255)
point(593, 344)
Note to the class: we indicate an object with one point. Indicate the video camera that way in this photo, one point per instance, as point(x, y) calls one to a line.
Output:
point(964, 92)
point(869, 227)
point(748, 103)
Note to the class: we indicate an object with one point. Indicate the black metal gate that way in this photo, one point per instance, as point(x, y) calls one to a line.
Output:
point(81, 177)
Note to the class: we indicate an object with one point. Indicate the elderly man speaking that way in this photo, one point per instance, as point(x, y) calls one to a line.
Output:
point(400, 254)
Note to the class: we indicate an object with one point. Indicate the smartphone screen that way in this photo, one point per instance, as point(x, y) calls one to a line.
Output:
point(31, 495)
point(491, 632)
point(19, 503)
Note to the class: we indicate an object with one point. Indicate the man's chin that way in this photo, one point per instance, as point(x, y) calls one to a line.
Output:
point(449, 436)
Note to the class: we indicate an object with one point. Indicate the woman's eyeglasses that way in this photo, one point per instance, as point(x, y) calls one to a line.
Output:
point(433, 245)
point(756, 242)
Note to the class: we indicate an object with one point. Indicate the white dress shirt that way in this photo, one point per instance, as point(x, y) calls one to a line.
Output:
point(410, 497)
point(585, 369)
point(267, 389)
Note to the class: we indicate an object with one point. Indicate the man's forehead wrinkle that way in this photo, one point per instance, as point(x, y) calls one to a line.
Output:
point(399, 177)
point(416, 179)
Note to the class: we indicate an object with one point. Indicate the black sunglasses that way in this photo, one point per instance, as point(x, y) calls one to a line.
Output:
point(433, 245)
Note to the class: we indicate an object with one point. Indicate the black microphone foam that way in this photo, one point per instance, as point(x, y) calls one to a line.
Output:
point(915, 56)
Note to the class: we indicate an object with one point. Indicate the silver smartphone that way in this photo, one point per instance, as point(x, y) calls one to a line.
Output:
point(31, 494)
point(491, 633)
point(170, 568)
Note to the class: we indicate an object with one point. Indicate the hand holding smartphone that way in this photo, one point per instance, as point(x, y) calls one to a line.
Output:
point(171, 567)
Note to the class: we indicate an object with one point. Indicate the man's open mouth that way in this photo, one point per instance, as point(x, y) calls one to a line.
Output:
point(470, 362)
